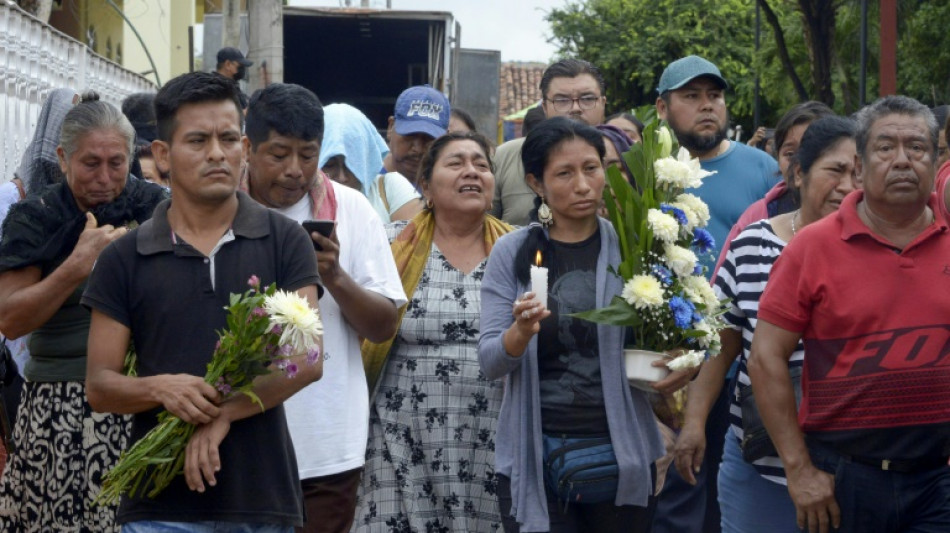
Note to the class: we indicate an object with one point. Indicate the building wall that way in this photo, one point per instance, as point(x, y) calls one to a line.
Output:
point(100, 19)
point(163, 25)
point(66, 18)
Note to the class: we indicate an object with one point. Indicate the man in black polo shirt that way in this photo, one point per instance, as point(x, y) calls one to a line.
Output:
point(165, 288)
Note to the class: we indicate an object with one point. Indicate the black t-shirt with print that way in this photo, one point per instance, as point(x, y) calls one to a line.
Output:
point(572, 395)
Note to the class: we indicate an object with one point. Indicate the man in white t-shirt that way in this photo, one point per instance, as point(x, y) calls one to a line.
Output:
point(328, 420)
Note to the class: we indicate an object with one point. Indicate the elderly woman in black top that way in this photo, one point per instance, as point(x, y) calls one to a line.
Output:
point(50, 242)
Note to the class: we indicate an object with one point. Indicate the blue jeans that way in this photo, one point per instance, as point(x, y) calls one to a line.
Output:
point(750, 503)
point(149, 526)
point(872, 499)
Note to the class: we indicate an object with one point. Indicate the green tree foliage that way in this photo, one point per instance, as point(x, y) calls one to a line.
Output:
point(633, 40)
point(923, 57)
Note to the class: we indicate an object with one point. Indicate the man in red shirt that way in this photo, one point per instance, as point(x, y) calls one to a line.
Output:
point(866, 289)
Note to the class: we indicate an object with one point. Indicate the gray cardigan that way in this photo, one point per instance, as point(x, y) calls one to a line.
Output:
point(518, 454)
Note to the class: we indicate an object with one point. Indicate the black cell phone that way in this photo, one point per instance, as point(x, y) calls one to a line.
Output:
point(323, 227)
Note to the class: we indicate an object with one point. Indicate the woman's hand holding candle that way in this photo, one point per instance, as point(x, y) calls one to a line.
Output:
point(528, 312)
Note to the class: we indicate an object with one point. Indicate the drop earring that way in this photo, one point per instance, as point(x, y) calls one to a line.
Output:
point(544, 214)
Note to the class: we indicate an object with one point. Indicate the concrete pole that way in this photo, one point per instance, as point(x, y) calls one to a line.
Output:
point(231, 18)
point(265, 19)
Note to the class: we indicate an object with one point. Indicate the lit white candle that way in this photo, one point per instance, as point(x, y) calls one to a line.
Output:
point(539, 281)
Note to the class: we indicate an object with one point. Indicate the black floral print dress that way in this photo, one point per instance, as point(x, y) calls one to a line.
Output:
point(430, 459)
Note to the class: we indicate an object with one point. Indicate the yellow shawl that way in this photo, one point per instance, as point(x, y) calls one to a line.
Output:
point(411, 250)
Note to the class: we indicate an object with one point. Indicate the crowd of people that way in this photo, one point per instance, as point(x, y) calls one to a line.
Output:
point(448, 384)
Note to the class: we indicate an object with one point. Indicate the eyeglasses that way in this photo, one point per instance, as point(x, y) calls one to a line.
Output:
point(562, 104)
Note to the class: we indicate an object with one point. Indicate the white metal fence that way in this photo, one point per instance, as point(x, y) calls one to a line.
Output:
point(34, 60)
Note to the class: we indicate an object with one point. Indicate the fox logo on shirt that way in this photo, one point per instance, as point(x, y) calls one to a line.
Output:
point(899, 349)
point(885, 379)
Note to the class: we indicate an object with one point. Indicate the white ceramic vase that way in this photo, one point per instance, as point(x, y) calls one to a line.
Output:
point(640, 370)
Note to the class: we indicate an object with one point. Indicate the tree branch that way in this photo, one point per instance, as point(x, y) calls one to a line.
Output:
point(783, 49)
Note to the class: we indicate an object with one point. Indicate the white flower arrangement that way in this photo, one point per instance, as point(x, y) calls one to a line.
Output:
point(666, 299)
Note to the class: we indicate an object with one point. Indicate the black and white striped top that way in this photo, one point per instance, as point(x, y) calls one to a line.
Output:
point(742, 280)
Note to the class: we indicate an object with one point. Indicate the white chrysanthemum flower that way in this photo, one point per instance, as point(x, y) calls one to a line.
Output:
point(643, 291)
point(299, 323)
point(693, 207)
point(699, 291)
point(708, 336)
point(671, 173)
point(695, 171)
point(664, 226)
point(690, 359)
point(682, 261)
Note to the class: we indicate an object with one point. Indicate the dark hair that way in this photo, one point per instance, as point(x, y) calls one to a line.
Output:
point(192, 88)
point(570, 68)
point(532, 118)
point(940, 113)
point(629, 117)
point(287, 109)
point(93, 114)
point(946, 129)
point(143, 150)
point(803, 113)
point(621, 142)
point(536, 152)
point(139, 108)
point(427, 165)
point(821, 137)
point(465, 117)
point(891, 105)
point(548, 135)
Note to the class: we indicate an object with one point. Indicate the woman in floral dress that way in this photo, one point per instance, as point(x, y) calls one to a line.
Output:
point(430, 457)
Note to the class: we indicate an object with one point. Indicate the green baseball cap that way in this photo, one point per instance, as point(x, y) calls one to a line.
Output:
point(687, 69)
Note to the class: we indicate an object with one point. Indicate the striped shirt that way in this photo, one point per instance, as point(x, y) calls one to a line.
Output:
point(742, 280)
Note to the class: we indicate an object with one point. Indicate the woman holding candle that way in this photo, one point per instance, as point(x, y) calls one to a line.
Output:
point(565, 376)
point(430, 456)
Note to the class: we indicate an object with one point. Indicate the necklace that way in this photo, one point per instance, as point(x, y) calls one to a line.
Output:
point(797, 212)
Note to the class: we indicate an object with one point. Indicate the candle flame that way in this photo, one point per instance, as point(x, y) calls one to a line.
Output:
point(537, 258)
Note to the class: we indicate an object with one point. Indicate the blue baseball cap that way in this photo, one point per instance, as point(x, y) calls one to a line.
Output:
point(687, 69)
point(422, 109)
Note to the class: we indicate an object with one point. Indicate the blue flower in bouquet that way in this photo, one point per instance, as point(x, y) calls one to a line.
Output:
point(683, 311)
point(676, 212)
point(703, 240)
point(663, 274)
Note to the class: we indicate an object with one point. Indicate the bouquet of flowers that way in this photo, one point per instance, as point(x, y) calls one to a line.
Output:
point(265, 329)
point(666, 298)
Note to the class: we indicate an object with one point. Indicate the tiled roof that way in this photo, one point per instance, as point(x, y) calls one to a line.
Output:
point(519, 86)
